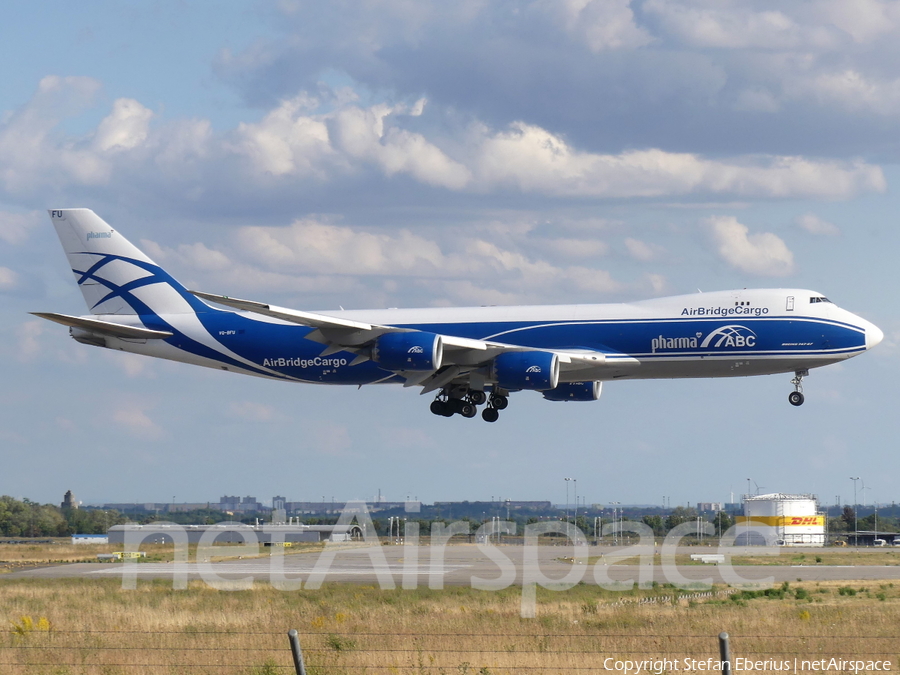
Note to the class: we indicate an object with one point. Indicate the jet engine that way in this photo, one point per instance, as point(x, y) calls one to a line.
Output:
point(408, 351)
point(526, 370)
point(574, 391)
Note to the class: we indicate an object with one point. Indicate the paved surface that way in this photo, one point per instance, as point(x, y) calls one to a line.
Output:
point(465, 565)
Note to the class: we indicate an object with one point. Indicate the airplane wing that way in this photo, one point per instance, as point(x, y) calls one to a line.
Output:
point(105, 327)
point(461, 356)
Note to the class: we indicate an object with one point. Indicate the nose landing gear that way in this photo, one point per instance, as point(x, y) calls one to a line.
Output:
point(796, 397)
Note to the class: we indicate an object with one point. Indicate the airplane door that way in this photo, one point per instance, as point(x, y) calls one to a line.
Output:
point(790, 303)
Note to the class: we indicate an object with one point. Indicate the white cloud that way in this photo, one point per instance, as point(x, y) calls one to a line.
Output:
point(532, 159)
point(28, 334)
point(308, 246)
point(361, 133)
point(864, 20)
point(757, 99)
point(600, 24)
point(255, 412)
point(30, 151)
point(730, 25)
point(294, 142)
point(16, 227)
point(125, 127)
point(203, 258)
point(288, 142)
point(640, 250)
point(658, 283)
point(372, 266)
point(8, 279)
point(576, 248)
point(762, 254)
point(852, 90)
point(333, 439)
point(815, 225)
point(134, 365)
point(133, 417)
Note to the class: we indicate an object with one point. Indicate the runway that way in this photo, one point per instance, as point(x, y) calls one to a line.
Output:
point(462, 565)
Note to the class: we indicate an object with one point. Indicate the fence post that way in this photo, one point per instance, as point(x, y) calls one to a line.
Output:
point(298, 654)
point(724, 653)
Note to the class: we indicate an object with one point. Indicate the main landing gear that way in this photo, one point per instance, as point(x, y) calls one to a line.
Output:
point(463, 401)
point(796, 396)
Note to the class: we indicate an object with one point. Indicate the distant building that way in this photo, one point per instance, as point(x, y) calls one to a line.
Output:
point(229, 503)
point(164, 533)
point(186, 507)
point(68, 501)
point(278, 502)
point(235, 504)
point(710, 506)
point(90, 539)
point(780, 519)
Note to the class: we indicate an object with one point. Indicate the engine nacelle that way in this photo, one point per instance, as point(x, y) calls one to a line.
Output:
point(574, 391)
point(526, 370)
point(408, 351)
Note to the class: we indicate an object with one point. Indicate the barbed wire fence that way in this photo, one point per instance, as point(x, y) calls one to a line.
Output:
point(58, 652)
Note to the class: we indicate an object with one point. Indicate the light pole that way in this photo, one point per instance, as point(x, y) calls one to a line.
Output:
point(575, 489)
point(876, 519)
point(855, 515)
point(615, 506)
point(567, 498)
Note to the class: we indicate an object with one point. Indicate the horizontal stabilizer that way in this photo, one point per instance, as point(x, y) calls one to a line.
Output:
point(105, 327)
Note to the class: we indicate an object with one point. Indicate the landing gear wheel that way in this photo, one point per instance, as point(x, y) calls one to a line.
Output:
point(468, 410)
point(490, 414)
point(499, 402)
point(796, 396)
point(437, 407)
point(477, 397)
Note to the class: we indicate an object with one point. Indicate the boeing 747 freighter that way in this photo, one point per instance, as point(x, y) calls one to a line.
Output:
point(467, 356)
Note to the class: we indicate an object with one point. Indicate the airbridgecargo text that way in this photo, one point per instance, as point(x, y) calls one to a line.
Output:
point(297, 362)
point(725, 311)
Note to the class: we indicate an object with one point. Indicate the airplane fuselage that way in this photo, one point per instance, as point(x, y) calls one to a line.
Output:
point(719, 334)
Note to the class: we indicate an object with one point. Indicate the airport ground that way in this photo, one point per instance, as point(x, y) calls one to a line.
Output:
point(74, 618)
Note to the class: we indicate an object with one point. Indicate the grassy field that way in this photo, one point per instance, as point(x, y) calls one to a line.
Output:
point(16, 556)
point(94, 627)
point(822, 556)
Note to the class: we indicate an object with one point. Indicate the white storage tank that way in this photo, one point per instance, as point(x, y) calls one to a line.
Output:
point(782, 520)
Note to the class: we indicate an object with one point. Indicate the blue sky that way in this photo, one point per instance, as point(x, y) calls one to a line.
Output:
point(410, 154)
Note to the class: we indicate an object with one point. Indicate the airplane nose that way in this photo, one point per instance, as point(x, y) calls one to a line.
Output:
point(874, 335)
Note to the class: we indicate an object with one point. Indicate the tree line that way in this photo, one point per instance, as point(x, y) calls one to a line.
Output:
point(26, 518)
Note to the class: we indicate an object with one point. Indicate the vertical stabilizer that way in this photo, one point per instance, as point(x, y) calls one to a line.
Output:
point(114, 275)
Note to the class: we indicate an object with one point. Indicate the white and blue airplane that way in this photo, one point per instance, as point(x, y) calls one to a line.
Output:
point(469, 356)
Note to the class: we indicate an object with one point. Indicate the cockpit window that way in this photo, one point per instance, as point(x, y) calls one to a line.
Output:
point(818, 298)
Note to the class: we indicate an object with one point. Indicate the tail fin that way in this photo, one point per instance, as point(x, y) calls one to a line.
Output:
point(114, 275)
